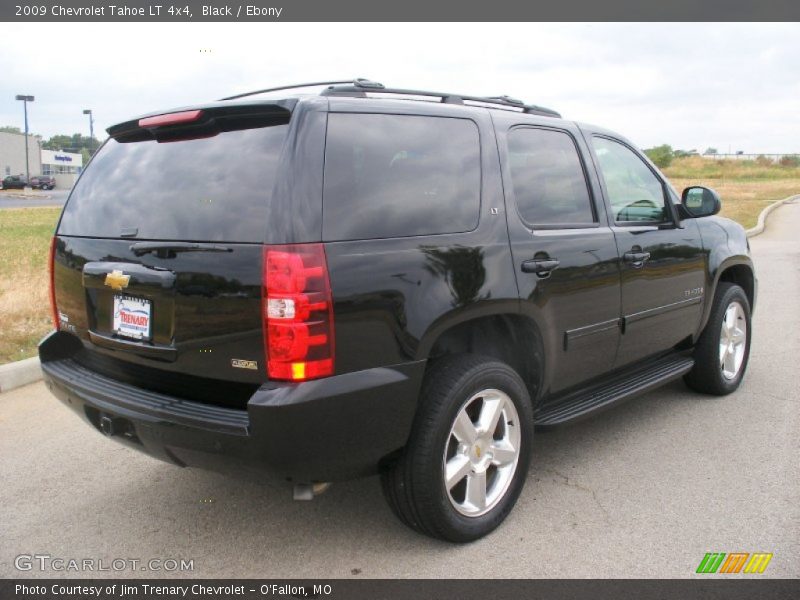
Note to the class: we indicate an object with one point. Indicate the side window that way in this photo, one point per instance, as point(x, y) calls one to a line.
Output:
point(400, 175)
point(548, 178)
point(634, 192)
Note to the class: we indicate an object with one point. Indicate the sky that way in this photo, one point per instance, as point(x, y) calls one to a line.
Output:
point(693, 86)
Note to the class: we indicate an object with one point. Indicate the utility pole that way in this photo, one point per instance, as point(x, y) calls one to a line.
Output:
point(88, 111)
point(25, 99)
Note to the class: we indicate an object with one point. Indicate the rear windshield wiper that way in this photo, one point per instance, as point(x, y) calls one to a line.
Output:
point(170, 249)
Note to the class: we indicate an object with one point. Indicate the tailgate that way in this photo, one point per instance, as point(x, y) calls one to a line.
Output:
point(195, 313)
point(158, 255)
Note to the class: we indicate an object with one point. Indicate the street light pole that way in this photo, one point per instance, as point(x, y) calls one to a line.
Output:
point(25, 99)
point(88, 111)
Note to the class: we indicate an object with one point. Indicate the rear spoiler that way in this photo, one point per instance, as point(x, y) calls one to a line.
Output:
point(202, 121)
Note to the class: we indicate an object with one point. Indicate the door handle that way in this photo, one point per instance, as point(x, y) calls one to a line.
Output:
point(637, 259)
point(541, 266)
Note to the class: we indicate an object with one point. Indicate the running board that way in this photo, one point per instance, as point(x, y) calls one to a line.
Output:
point(620, 387)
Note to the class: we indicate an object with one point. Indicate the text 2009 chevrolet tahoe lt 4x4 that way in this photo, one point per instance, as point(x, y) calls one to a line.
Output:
point(332, 285)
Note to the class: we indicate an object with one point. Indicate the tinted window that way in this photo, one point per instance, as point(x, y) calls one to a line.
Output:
point(634, 192)
point(396, 176)
point(212, 189)
point(548, 178)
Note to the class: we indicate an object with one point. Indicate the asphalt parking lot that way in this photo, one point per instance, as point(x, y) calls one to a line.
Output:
point(643, 490)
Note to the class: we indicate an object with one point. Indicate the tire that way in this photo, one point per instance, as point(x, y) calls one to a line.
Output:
point(476, 388)
point(719, 366)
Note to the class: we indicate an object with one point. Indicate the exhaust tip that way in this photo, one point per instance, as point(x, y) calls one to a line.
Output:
point(107, 426)
point(307, 491)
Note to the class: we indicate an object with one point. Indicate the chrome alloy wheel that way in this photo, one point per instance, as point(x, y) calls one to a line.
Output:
point(481, 452)
point(732, 340)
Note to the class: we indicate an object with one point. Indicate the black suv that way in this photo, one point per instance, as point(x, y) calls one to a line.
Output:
point(369, 280)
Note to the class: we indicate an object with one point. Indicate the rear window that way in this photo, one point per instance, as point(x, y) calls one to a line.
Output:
point(549, 183)
point(399, 175)
point(212, 189)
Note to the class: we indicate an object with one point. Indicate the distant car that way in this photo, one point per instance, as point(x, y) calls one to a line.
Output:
point(43, 182)
point(14, 182)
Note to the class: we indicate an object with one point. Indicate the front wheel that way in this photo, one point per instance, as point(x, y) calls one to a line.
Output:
point(468, 455)
point(723, 350)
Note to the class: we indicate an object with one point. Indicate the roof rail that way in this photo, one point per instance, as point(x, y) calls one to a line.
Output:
point(361, 87)
point(288, 87)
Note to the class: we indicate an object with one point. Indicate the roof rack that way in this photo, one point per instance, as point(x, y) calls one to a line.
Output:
point(361, 87)
point(285, 87)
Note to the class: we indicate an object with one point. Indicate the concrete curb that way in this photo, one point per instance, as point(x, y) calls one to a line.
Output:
point(23, 196)
point(762, 217)
point(19, 373)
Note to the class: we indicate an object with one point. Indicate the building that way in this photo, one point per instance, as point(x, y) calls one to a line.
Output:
point(64, 166)
point(12, 154)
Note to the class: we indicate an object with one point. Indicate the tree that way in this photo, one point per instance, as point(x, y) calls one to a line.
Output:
point(9, 129)
point(661, 155)
point(711, 151)
point(71, 143)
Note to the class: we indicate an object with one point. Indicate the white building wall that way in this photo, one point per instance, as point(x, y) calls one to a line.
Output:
point(12, 154)
point(64, 166)
point(65, 181)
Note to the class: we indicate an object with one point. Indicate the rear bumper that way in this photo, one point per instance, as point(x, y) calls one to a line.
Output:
point(323, 430)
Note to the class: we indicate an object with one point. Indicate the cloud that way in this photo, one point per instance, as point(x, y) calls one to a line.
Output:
point(689, 85)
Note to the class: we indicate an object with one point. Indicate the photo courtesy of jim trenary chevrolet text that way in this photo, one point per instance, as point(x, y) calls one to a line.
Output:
point(399, 300)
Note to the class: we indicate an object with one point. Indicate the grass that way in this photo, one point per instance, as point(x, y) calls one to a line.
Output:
point(24, 297)
point(746, 187)
point(762, 169)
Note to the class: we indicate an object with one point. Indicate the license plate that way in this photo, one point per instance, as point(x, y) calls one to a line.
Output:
point(132, 317)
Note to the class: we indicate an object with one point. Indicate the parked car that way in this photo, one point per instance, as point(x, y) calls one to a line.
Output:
point(43, 182)
point(12, 182)
point(341, 284)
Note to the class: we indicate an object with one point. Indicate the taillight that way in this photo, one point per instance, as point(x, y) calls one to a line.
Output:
point(298, 312)
point(53, 307)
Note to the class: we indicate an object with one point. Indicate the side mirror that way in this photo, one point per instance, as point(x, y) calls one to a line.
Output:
point(698, 201)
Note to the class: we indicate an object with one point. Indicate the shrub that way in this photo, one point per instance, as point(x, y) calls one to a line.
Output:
point(661, 155)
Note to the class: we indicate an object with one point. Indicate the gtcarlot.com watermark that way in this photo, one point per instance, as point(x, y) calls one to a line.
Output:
point(60, 564)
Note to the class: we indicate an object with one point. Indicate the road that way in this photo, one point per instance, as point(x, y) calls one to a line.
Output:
point(16, 199)
point(643, 490)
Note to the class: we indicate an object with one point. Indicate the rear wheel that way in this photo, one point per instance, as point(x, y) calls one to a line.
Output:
point(723, 350)
point(467, 459)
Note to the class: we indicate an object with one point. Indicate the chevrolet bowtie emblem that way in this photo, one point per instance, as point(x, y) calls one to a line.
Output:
point(117, 280)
